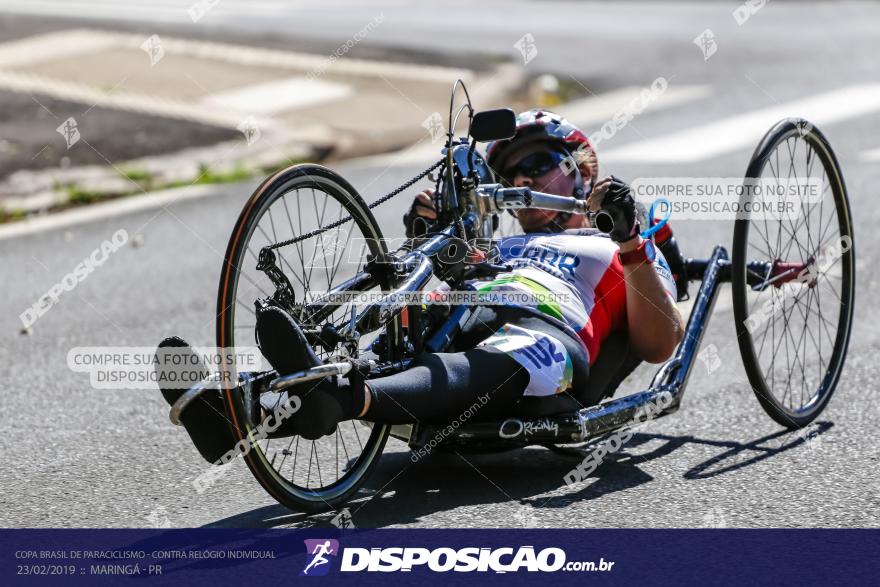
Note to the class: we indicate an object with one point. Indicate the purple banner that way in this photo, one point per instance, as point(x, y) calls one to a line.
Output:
point(436, 557)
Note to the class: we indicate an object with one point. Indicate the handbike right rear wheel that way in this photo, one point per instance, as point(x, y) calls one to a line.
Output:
point(793, 328)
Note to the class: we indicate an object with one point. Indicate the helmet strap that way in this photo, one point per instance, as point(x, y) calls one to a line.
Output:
point(557, 224)
point(578, 191)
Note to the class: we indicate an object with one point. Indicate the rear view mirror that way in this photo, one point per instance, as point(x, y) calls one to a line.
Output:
point(493, 125)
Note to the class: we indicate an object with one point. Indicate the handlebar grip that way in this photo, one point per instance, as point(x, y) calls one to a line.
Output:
point(524, 197)
point(514, 194)
point(603, 221)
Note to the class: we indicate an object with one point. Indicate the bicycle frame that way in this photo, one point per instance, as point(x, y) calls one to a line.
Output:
point(663, 397)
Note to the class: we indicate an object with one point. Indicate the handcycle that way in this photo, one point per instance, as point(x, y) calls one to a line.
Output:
point(308, 240)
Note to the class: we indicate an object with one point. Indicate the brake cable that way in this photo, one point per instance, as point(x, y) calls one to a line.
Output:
point(342, 221)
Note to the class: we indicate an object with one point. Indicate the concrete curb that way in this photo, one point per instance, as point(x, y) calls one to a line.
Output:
point(108, 209)
point(27, 192)
point(30, 192)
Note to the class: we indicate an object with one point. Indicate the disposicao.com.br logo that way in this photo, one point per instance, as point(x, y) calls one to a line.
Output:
point(318, 562)
point(444, 559)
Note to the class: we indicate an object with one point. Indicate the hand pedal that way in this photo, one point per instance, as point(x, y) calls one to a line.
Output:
point(319, 372)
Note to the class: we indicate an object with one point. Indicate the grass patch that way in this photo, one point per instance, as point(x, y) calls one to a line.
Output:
point(77, 196)
point(138, 175)
point(560, 90)
point(11, 215)
point(207, 175)
point(570, 89)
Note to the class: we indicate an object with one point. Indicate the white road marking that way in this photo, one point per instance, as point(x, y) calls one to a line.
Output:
point(602, 107)
point(83, 41)
point(872, 155)
point(418, 154)
point(168, 11)
point(125, 101)
point(745, 130)
point(278, 95)
point(61, 44)
point(582, 112)
point(226, 109)
point(245, 55)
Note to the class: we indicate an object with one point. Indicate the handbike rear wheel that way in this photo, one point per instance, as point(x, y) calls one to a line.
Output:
point(793, 333)
point(300, 474)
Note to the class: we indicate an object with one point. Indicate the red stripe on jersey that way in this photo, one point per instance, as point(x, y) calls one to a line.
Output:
point(609, 309)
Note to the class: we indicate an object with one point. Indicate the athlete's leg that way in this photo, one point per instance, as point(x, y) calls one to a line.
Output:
point(436, 388)
point(440, 386)
point(177, 368)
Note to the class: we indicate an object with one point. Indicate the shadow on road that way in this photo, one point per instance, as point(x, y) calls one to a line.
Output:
point(400, 492)
point(766, 447)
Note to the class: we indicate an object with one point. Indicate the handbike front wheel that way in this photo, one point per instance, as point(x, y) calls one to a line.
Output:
point(297, 202)
point(794, 313)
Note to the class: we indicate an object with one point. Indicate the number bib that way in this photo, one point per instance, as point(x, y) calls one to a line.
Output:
point(543, 356)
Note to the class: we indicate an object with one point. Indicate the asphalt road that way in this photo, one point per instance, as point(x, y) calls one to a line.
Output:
point(76, 456)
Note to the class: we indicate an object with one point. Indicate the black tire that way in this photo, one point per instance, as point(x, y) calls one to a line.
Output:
point(815, 339)
point(317, 187)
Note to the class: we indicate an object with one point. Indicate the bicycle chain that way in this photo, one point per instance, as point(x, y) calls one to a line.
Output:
point(342, 221)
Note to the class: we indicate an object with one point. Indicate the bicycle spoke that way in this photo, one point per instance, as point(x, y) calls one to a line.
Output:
point(298, 246)
point(358, 436)
point(797, 343)
point(317, 463)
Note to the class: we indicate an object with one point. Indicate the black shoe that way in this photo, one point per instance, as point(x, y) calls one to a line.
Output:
point(319, 405)
point(205, 418)
point(316, 406)
point(281, 341)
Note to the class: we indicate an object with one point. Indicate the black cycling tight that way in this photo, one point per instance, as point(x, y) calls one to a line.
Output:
point(439, 387)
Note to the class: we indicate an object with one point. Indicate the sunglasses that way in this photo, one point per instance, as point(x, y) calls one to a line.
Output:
point(534, 165)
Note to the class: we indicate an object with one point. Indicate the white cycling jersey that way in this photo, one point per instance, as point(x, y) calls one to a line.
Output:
point(574, 276)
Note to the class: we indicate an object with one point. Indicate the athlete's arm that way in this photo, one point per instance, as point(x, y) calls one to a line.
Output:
point(421, 213)
point(654, 323)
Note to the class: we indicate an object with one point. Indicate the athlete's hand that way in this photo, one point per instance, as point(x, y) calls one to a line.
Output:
point(420, 214)
point(613, 196)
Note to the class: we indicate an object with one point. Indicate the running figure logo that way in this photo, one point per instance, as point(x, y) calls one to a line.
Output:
point(70, 131)
point(319, 550)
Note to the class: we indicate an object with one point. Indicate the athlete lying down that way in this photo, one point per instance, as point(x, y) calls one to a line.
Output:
point(607, 283)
